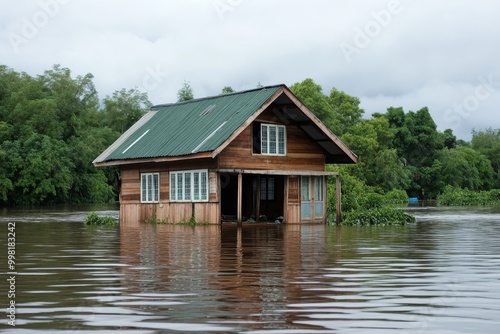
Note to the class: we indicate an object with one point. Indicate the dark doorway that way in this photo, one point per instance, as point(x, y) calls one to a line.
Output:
point(271, 196)
point(229, 195)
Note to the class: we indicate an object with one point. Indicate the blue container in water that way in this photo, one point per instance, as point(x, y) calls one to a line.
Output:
point(413, 200)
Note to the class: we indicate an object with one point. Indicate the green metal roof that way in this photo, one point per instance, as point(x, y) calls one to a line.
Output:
point(194, 126)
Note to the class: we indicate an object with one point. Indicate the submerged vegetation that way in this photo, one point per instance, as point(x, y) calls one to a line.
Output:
point(95, 220)
point(378, 216)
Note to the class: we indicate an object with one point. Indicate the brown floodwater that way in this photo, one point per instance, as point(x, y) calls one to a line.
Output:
point(439, 275)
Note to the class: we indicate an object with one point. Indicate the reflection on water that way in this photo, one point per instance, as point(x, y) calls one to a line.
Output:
point(439, 275)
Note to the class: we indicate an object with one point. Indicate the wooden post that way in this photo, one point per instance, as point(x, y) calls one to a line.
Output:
point(338, 188)
point(257, 200)
point(240, 199)
point(239, 250)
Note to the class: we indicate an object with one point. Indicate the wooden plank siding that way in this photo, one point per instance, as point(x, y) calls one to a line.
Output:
point(293, 200)
point(302, 153)
point(132, 211)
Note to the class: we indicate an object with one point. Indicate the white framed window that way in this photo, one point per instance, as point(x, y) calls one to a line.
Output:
point(189, 186)
point(272, 139)
point(150, 187)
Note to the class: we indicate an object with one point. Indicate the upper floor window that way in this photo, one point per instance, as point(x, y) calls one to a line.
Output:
point(272, 139)
point(150, 187)
point(189, 186)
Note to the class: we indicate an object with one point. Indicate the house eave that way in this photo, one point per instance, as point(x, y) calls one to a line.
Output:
point(279, 172)
point(200, 155)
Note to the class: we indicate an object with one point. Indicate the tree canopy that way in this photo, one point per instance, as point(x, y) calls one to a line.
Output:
point(185, 93)
point(404, 150)
point(52, 127)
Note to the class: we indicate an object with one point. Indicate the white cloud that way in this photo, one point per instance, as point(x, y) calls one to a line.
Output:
point(426, 53)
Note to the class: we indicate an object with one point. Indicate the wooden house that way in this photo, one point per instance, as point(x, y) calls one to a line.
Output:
point(252, 155)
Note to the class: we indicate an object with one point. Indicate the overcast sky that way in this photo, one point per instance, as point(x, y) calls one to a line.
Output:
point(440, 54)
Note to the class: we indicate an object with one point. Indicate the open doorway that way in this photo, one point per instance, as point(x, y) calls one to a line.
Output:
point(271, 197)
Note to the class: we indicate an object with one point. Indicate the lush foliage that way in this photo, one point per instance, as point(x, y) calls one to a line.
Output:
point(377, 216)
point(185, 93)
point(363, 205)
point(401, 152)
point(455, 196)
point(52, 127)
point(400, 155)
point(95, 220)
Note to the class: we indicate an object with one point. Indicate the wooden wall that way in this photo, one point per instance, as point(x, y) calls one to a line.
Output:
point(303, 153)
point(132, 211)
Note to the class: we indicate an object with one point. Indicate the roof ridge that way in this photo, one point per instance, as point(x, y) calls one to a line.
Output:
point(216, 96)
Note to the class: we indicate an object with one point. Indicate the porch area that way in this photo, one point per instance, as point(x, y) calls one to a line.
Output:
point(275, 196)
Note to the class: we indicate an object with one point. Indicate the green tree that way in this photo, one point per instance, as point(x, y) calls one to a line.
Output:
point(488, 142)
point(72, 98)
point(185, 93)
point(41, 170)
point(227, 90)
point(345, 110)
point(378, 165)
point(427, 181)
point(388, 172)
point(465, 167)
point(311, 94)
point(124, 108)
point(93, 185)
point(5, 181)
point(51, 128)
point(448, 139)
point(397, 123)
point(422, 139)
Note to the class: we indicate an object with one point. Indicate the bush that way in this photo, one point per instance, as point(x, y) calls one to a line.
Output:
point(455, 196)
point(396, 196)
point(371, 201)
point(365, 205)
point(377, 216)
point(96, 220)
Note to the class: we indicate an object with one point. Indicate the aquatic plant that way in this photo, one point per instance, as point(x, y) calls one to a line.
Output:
point(377, 216)
point(96, 220)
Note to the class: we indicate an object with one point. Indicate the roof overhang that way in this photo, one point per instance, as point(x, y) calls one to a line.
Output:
point(337, 151)
point(278, 172)
point(202, 155)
